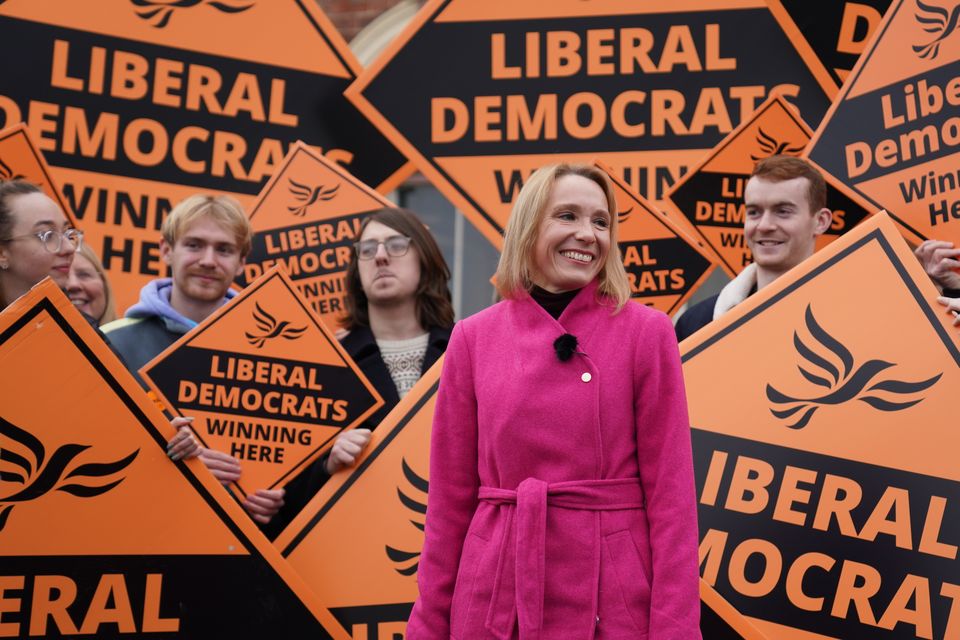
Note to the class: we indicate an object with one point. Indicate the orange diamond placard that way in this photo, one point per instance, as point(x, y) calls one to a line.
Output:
point(267, 382)
point(379, 506)
point(664, 263)
point(21, 160)
point(893, 133)
point(826, 477)
point(710, 196)
point(102, 535)
point(829, 36)
point(307, 219)
point(140, 103)
point(494, 90)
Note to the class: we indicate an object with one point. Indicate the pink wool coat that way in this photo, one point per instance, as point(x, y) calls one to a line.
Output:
point(561, 501)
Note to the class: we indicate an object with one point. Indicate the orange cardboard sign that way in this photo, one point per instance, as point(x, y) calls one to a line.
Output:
point(379, 506)
point(306, 219)
point(644, 87)
point(21, 160)
point(710, 196)
point(664, 263)
point(141, 103)
point(824, 454)
point(892, 134)
point(101, 534)
point(266, 382)
point(829, 36)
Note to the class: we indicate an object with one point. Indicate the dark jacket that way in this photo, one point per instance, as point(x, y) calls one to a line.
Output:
point(695, 318)
point(362, 347)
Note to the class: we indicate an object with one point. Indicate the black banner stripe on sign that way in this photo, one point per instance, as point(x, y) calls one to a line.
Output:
point(714, 627)
point(712, 199)
point(361, 469)
point(703, 76)
point(45, 305)
point(815, 537)
point(648, 278)
point(874, 236)
point(191, 592)
point(261, 387)
point(317, 237)
point(874, 134)
point(238, 151)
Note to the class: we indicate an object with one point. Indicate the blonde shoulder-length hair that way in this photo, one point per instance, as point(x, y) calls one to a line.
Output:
point(516, 270)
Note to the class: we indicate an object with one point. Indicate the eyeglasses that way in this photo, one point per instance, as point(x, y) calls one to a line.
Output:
point(53, 240)
point(395, 247)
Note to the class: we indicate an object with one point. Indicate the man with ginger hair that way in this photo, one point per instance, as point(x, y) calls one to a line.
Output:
point(785, 201)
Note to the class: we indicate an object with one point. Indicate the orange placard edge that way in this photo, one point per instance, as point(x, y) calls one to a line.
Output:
point(857, 69)
point(338, 485)
point(800, 43)
point(48, 294)
point(728, 613)
point(301, 147)
point(665, 218)
point(343, 51)
point(354, 94)
point(275, 271)
point(44, 167)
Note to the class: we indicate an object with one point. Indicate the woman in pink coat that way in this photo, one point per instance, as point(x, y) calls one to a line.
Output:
point(561, 498)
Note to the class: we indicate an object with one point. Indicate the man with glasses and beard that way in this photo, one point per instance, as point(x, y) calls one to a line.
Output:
point(397, 324)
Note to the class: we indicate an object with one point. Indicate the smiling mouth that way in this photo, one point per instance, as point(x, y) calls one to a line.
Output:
point(79, 302)
point(769, 243)
point(576, 255)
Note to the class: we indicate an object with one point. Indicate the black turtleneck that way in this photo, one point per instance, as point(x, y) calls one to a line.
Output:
point(554, 303)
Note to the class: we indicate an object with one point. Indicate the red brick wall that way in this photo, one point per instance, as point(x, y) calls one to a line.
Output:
point(351, 16)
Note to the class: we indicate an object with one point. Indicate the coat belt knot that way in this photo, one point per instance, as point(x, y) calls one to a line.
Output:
point(519, 581)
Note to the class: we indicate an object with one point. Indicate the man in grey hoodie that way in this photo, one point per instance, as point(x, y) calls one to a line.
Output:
point(205, 240)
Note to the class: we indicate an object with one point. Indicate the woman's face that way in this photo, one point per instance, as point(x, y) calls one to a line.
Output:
point(85, 287)
point(573, 237)
point(26, 259)
point(388, 280)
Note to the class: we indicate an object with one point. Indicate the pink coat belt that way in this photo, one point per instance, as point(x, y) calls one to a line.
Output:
point(522, 554)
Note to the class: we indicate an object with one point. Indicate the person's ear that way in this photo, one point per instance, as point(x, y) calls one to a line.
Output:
point(165, 251)
point(824, 218)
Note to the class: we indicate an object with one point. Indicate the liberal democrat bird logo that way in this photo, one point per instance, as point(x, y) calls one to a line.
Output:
point(308, 195)
point(22, 458)
point(6, 173)
point(271, 328)
point(623, 216)
point(935, 20)
point(409, 561)
point(770, 146)
point(842, 386)
point(159, 12)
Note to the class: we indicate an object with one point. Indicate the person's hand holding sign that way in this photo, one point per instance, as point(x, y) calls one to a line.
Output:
point(184, 444)
point(264, 504)
point(939, 260)
point(346, 449)
point(224, 467)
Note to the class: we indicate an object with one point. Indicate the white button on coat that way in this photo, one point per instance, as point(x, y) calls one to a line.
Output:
point(586, 377)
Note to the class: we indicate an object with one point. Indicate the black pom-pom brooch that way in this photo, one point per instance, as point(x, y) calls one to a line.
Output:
point(565, 346)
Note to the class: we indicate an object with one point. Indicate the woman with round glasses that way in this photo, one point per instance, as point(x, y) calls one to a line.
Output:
point(36, 240)
point(397, 323)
